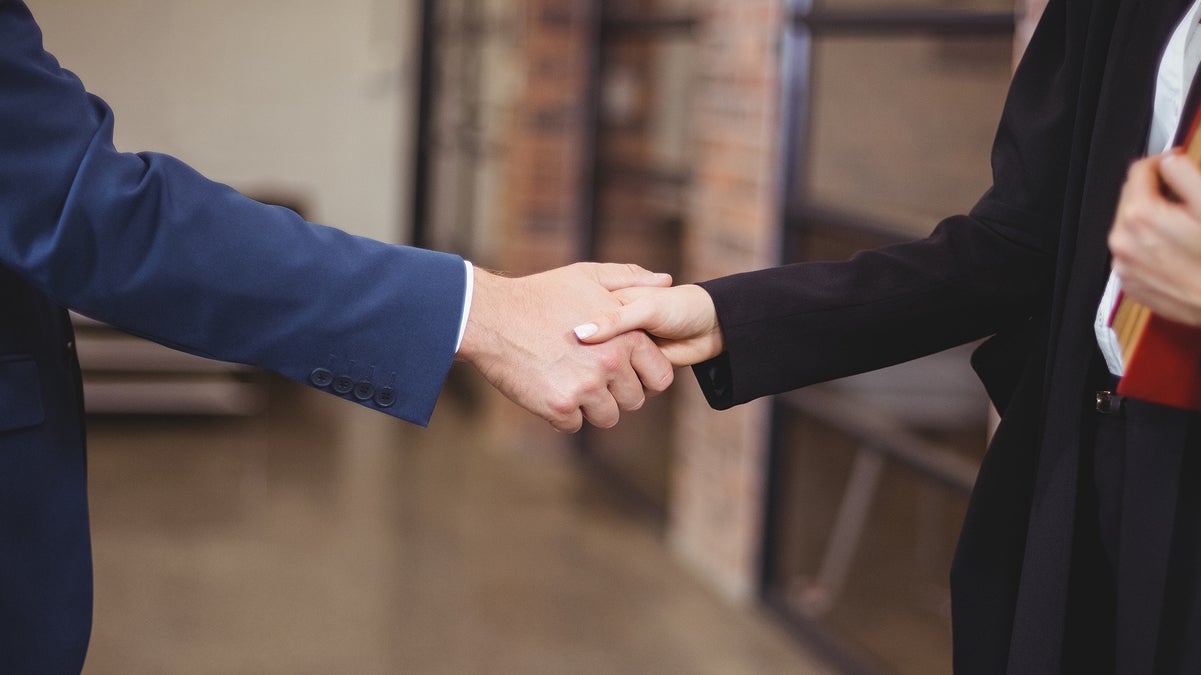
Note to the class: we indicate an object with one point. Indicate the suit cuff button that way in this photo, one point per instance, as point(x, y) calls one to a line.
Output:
point(363, 391)
point(385, 397)
point(321, 377)
point(343, 384)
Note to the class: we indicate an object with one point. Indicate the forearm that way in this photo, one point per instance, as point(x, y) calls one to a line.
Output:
point(796, 325)
point(147, 244)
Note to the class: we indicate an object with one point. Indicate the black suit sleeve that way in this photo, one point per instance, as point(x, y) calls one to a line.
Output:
point(791, 326)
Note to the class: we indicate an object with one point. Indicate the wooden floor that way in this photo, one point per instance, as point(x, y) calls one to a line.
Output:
point(323, 538)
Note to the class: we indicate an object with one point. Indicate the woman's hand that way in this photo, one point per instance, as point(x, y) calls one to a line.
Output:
point(682, 319)
point(1156, 237)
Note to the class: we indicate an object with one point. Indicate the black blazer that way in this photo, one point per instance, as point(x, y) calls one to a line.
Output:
point(1028, 265)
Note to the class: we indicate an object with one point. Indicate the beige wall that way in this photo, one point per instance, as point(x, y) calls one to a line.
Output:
point(311, 98)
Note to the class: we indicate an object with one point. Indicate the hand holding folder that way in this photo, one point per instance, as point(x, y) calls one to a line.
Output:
point(1162, 358)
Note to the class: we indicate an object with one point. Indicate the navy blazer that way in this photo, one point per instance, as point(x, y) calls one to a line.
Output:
point(143, 242)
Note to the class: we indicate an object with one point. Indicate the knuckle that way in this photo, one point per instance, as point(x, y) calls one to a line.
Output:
point(609, 361)
point(625, 295)
point(1118, 241)
point(630, 342)
point(561, 405)
point(1138, 213)
point(1135, 167)
point(593, 385)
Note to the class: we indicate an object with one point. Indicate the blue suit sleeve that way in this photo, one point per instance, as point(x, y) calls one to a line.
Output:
point(147, 244)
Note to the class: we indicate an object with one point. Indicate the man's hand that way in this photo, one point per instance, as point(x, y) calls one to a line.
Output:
point(519, 337)
point(682, 319)
point(1156, 237)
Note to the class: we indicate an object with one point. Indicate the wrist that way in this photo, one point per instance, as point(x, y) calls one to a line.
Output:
point(481, 329)
point(712, 336)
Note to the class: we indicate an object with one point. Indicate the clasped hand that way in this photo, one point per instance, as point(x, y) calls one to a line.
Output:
point(519, 336)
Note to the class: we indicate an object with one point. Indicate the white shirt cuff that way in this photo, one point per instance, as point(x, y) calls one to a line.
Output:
point(467, 292)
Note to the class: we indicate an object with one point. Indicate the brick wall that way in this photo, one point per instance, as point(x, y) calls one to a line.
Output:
point(719, 467)
point(730, 206)
point(550, 133)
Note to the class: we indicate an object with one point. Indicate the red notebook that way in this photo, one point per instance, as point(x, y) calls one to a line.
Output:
point(1162, 357)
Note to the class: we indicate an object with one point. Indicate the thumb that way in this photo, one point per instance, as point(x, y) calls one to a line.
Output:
point(614, 276)
point(624, 319)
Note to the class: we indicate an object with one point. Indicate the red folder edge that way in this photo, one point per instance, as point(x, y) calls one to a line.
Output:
point(1165, 367)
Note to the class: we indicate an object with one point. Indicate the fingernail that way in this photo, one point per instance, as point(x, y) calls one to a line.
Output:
point(586, 331)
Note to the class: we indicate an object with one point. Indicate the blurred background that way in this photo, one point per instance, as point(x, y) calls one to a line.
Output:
point(242, 523)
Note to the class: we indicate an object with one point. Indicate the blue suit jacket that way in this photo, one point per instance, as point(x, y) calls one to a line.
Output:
point(143, 242)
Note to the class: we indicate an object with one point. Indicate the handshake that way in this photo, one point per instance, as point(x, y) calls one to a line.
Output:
point(586, 341)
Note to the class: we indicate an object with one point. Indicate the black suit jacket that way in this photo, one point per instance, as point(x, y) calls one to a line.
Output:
point(1028, 265)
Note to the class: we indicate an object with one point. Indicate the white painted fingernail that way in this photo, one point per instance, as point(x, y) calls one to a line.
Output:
point(586, 331)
